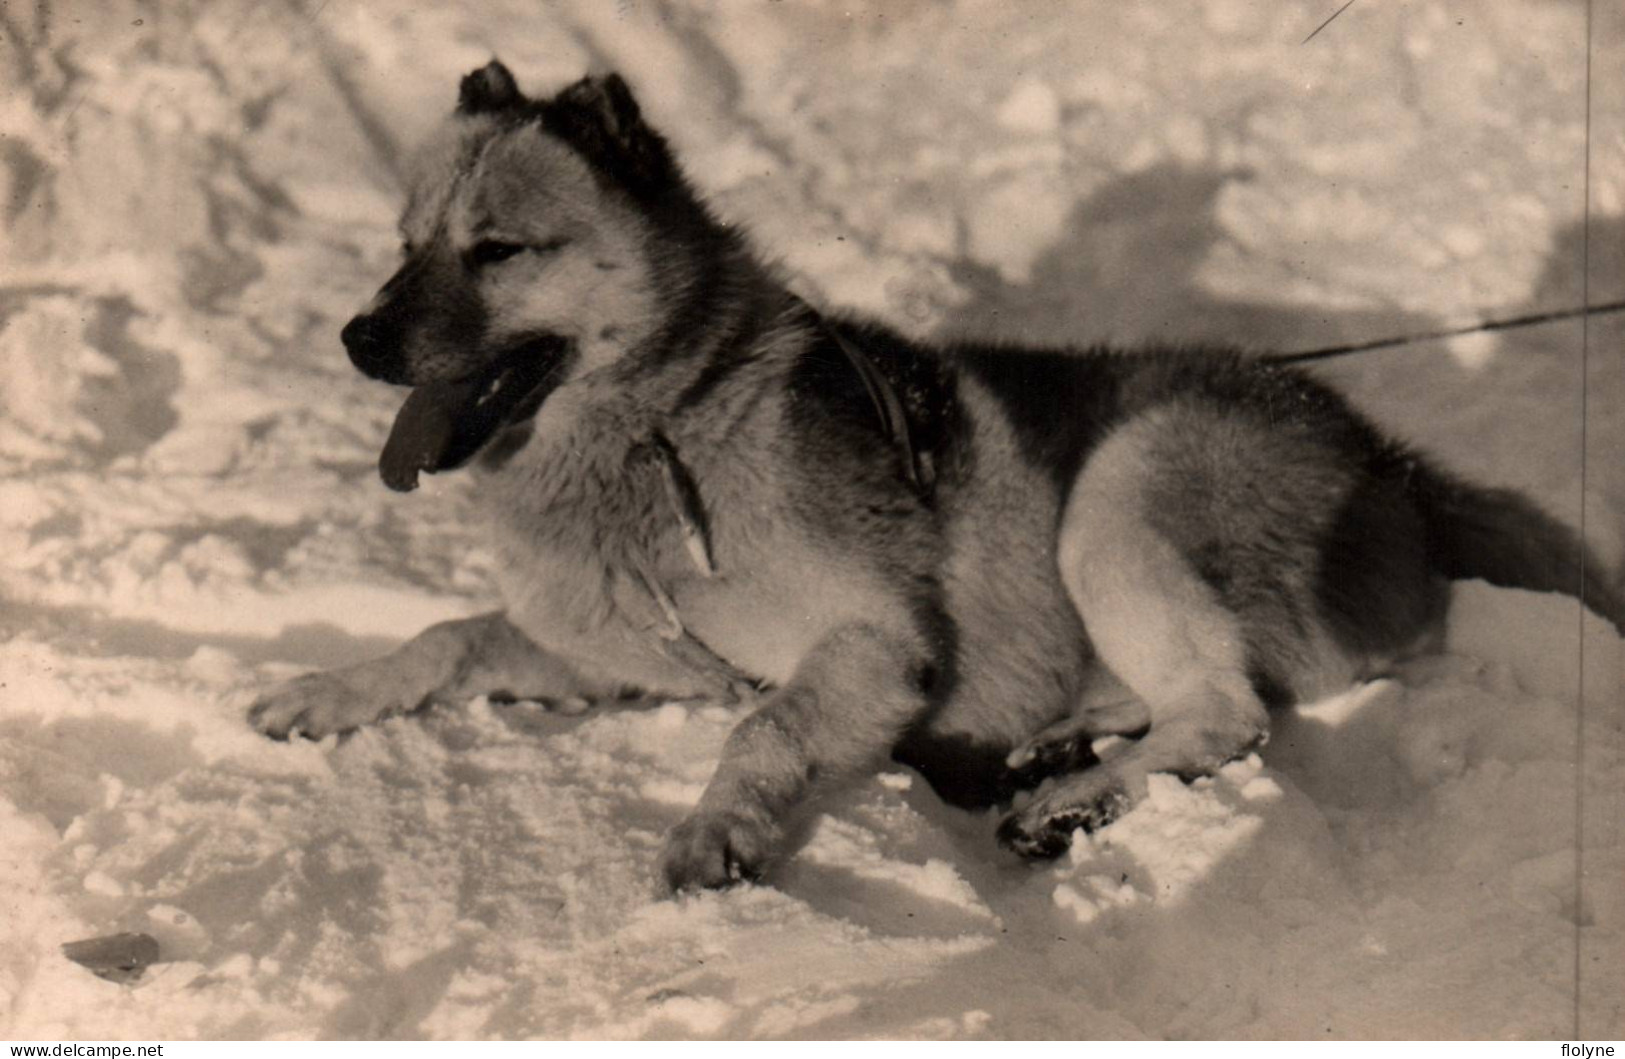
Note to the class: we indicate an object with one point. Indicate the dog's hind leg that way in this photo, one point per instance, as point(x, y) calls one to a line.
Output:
point(450, 661)
point(1153, 623)
point(1188, 547)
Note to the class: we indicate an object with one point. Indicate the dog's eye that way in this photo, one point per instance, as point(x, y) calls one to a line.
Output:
point(491, 251)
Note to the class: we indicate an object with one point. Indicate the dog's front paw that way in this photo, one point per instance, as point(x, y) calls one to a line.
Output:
point(1042, 830)
point(713, 850)
point(315, 705)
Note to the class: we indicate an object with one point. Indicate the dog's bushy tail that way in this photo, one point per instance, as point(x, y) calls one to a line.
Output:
point(1502, 537)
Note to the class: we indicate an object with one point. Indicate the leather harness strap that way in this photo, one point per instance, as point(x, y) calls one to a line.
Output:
point(683, 497)
point(687, 508)
point(888, 406)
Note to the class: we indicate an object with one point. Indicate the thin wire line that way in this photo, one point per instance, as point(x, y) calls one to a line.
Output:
point(1527, 320)
point(1328, 22)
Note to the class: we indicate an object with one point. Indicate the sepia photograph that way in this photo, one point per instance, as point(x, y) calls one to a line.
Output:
point(582, 520)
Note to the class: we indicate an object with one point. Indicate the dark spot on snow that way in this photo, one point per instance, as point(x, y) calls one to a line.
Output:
point(257, 430)
point(62, 761)
point(14, 299)
point(214, 274)
point(30, 177)
point(317, 644)
point(61, 524)
point(243, 208)
point(256, 110)
point(133, 408)
point(266, 544)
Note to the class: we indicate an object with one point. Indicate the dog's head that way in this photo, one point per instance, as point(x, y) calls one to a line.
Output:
point(531, 259)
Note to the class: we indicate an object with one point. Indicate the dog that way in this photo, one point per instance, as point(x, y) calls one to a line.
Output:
point(975, 560)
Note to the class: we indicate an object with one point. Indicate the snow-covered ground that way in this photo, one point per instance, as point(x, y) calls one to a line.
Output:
point(194, 196)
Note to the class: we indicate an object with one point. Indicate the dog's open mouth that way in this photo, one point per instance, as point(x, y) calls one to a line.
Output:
point(443, 424)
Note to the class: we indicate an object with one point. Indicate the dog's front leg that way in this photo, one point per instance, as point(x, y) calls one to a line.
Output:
point(449, 661)
point(848, 702)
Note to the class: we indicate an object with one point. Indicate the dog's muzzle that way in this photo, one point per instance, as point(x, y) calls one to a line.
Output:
point(374, 348)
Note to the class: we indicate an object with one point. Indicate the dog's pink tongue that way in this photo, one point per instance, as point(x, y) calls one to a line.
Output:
point(423, 432)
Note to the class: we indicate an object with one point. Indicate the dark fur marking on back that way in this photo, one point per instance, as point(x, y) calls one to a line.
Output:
point(826, 386)
point(1059, 404)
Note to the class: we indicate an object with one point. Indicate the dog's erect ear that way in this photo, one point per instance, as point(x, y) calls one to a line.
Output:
point(490, 88)
point(599, 117)
point(608, 101)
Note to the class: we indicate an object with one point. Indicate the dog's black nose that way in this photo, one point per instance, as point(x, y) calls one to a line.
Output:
point(361, 339)
point(371, 349)
point(357, 333)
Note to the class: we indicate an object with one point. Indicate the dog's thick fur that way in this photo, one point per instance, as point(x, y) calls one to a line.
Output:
point(975, 560)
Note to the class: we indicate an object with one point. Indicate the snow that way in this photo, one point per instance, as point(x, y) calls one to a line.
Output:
point(1031, 107)
point(197, 195)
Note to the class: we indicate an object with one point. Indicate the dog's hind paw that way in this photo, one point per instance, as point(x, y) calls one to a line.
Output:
point(715, 850)
point(1042, 830)
point(1065, 744)
point(314, 706)
point(1038, 760)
